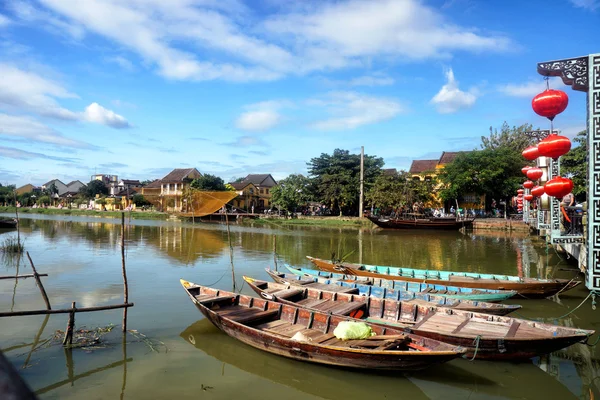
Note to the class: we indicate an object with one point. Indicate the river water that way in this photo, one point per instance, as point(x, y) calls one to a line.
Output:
point(174, 352)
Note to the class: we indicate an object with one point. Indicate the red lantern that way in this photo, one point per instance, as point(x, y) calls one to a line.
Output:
point(550, 103)
point(538, 191)
point(528, 197)
point(535, 173)
point(525, 169)
point(527, 184)
point(558, 187)
point(554, 146)
point(520, 191)
point(531, 153)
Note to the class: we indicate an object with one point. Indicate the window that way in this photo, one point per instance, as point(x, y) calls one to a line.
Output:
point(251, 190)
point(262, 191)
point(266, 191)
point(471, 198)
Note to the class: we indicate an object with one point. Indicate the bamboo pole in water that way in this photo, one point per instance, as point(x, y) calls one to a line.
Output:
point(64, 310)
point(39, 283)
point(20, 276)
point(17, 214)
point(70, 326)
point(230, 248)
point(125, 285)
point(275, 251)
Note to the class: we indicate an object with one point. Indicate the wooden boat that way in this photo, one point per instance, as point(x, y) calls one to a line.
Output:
point(454, 292)
point(271, 326)
point(393, 294)
point(8, 223)
point(420, 221)
point(526, 287)
point(484, 336)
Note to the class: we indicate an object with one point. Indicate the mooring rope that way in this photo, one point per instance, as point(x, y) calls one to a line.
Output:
point(476, 343)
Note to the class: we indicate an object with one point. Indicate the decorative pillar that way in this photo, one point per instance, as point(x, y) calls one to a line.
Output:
point(583, 74)
point(553, 172)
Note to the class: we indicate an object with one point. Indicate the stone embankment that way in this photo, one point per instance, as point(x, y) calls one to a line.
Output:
point(500, 224)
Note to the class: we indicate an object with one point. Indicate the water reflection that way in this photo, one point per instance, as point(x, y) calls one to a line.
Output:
point(317, 380)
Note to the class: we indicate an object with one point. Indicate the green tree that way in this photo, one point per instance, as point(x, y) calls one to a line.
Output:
point(337, 178)
point(208, 182)
point(44, 200)
point(291, 192)
point(495, 173)
point(139, 200)
point(514, 138)
point(399, 189)
point(93, 188)
point(574, 165)
point(6, 194)
point(51, 190)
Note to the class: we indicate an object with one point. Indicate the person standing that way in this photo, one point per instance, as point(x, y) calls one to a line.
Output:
point(568, 200)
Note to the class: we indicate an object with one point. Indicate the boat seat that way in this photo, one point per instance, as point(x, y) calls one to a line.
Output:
point(287, 293)
point(209, 299)
point(254, 317)
point(347, 308)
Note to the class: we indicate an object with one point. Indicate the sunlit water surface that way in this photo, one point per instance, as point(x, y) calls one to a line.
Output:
point(184, 356)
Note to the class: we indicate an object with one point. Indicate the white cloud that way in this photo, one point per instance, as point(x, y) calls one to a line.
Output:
point(529, 89)
point(30, 129)
point(18, 154)
point(350, 110)
point(207, 39)
point(591, 5)
point(4, 20)
point(100, 115)
point(450, 98)
point(372, 80)
point(28, 13)
point(29, 91)
point(121, 62)
point(247, 141)
point(261, 120)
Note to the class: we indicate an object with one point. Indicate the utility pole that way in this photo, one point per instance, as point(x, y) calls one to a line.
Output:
point(362, 168)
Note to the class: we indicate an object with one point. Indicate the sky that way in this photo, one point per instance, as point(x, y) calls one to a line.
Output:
point(136, 88)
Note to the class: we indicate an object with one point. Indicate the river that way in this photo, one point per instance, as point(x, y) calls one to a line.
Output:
point(175, 353)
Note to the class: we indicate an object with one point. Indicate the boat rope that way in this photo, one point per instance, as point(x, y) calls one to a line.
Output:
point(591, 294)
point(476, 343)
point(593, 344)
point(568, 285)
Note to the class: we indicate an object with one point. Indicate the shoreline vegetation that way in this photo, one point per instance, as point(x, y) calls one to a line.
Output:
point(332, 221)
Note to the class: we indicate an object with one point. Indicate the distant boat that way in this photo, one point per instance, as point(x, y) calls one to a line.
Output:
point(454, 292)
point(365, 291)
point(8, 223)
point(420, 221)
point(526, 287)
point(307, 335)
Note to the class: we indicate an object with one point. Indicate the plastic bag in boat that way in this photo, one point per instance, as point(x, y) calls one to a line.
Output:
point(348, 330)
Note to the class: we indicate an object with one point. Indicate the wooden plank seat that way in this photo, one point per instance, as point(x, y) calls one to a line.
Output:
point(253, 316)
point(330, 288)
point(287, 293)
point(206, 299)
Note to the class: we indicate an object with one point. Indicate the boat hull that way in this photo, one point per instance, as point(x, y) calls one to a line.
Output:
point(530, 289)
point(425, 223)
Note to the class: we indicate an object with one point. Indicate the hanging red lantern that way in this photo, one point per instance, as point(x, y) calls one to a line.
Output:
point(554, 146)
point(558, 187)
point(550, 103)
point(538, 191)
point(525, 169)
point(535, 173)
point(531, 153)
point(528, 197)
point(527, 184)
point(520, 191)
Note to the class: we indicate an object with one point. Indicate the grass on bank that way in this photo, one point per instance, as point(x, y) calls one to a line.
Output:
point(89, 213)
point(317, 221)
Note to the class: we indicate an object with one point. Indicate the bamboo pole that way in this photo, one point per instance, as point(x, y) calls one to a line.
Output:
point(125, 285)
point(17, 214)
point(12, 304)
point(230, 248)
point(124, 348)
point(275, 251)
point(39, 283)
point(64, 310)
point(20, 276)
point(70, 326)
point(36, 340)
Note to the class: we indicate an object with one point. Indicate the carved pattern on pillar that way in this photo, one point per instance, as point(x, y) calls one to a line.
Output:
point(593, 231)
point(573, 71)
point(554, 202)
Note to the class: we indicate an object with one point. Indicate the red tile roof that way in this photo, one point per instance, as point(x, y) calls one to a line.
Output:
point(419, 166)
point(178, 175)
point(449, 156)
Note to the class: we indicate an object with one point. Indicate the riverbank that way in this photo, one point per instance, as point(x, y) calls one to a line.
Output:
point(87, 213)
point(317, 221)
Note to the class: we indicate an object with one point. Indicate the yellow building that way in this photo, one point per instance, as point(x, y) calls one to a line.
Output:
point(260, 197)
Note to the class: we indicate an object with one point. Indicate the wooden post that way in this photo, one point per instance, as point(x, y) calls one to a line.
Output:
point(275, 251)
point(230, 248)
point(362, 167)
point(39, 283)
point(124, 348)
point(70, 326)
point(125, 285)
point(17, 214)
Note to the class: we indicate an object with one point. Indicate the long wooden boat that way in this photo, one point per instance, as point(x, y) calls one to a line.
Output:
point(455, 292)
point(526, 287)
point(484, 336)
point(413, 221)
point(384, 293)
point(273, 327)
point(8, 223)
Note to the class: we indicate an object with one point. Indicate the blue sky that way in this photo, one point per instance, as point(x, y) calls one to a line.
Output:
point(232, 87)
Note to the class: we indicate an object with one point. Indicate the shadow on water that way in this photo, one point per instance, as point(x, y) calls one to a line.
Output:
point(317, 380)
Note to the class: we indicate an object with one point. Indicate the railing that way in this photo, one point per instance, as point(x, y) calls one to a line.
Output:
point(572, 223)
